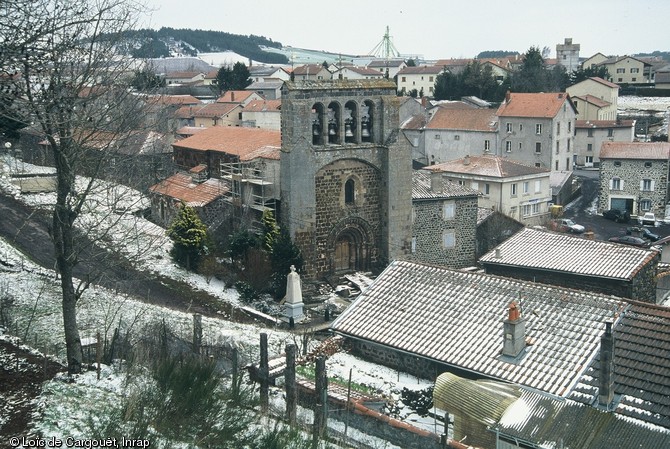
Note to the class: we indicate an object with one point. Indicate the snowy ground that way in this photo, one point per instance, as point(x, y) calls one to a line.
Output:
point(37, 320)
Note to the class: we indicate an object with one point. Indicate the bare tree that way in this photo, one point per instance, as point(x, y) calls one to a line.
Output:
point(61, 65)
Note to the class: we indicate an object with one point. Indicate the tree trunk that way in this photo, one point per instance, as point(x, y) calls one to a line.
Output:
point(66, 258)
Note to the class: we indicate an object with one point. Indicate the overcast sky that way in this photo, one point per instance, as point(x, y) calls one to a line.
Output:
point(432, 28)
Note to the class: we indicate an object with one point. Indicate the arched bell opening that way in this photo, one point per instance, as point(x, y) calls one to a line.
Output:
point(367, 128)
point(351, 123)
point(319, 131)
point(335, 130)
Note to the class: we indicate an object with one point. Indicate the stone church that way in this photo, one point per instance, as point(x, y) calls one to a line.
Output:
point(346, 174)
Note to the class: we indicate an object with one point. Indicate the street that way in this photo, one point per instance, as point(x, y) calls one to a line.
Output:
point(583, 211)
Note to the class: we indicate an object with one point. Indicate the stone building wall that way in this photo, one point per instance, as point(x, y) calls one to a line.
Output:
point(631, 172)
point(641, 287)
point(314, 171)
point(429, 226)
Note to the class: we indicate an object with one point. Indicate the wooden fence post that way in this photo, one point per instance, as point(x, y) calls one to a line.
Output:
point(264, 372)
point(291, 392)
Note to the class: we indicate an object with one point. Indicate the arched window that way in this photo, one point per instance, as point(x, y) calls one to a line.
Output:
point(349, 189)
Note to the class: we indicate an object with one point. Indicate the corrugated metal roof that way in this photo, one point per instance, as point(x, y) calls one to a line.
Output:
point(456, 318)
point(552, 423)
point(570, 254)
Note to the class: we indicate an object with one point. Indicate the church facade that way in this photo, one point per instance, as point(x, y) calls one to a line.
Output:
point(346, 174)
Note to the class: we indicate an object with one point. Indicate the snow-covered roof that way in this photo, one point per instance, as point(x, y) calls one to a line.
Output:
point(455, 318)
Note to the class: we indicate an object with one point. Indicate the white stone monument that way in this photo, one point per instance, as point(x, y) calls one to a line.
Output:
point(293, 302)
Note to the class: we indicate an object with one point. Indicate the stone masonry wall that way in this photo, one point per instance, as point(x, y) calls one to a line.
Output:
point(429, 226)
point(631, 172)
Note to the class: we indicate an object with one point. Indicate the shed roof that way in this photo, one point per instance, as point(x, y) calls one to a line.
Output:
point(565, 253)
point(455, 318)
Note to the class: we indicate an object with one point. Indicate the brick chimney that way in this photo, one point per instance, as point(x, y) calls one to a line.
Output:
point(606, 375)
point(232, 95)
point(466, 160)
point(508, 96)
point(514, 331)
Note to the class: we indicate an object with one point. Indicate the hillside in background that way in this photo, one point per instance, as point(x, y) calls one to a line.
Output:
point(179, 42)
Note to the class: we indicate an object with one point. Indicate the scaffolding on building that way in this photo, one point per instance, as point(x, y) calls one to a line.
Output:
point(251, 188)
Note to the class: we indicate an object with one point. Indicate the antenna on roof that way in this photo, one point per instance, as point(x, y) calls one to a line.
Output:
point(385, 49)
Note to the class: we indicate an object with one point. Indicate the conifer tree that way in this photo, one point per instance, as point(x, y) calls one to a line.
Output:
point(189, 235)
point(270, 230)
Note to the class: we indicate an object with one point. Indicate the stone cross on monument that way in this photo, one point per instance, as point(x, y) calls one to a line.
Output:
point(293, 302)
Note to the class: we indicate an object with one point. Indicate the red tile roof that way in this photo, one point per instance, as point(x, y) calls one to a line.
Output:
point(545, 105)
point(235, 96)
point(174, 99)
point(181, 187)
point(206, 110)
point(635, 150)
point(308, 69)
point(263, 106)
point(593, 100)
point(232, 140)
point(464, 119)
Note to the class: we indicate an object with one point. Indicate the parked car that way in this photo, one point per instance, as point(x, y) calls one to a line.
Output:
point(631, 240)
point(647, 219)
point(567, 225)
point(619, 216)
point(643, 232)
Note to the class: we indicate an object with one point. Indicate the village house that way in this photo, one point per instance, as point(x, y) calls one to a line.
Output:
point(265, 114)
point(593, 61)
point(516, 190)
point(453, 133)
point(634, 177)
point(313, 72)
point(216, 145)
point(444, 217)
point(389, 68)
point(241, 97)
point(259, 73)
point(591, 134)
point(627, 70)
point(357, 73)
point(177, 78)
point(160, 110)
point(420, 79)
point(575, 262)
point(537, 129)
point(193, 189)
point(595, 99)
point(210, 114)
point(269, 89)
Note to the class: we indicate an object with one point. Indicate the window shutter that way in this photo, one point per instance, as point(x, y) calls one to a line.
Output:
point(611, 184)
point(642, 184)
point(621, 184)
point(652, 185)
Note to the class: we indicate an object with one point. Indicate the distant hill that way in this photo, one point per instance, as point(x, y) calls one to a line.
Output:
point(167, 42)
